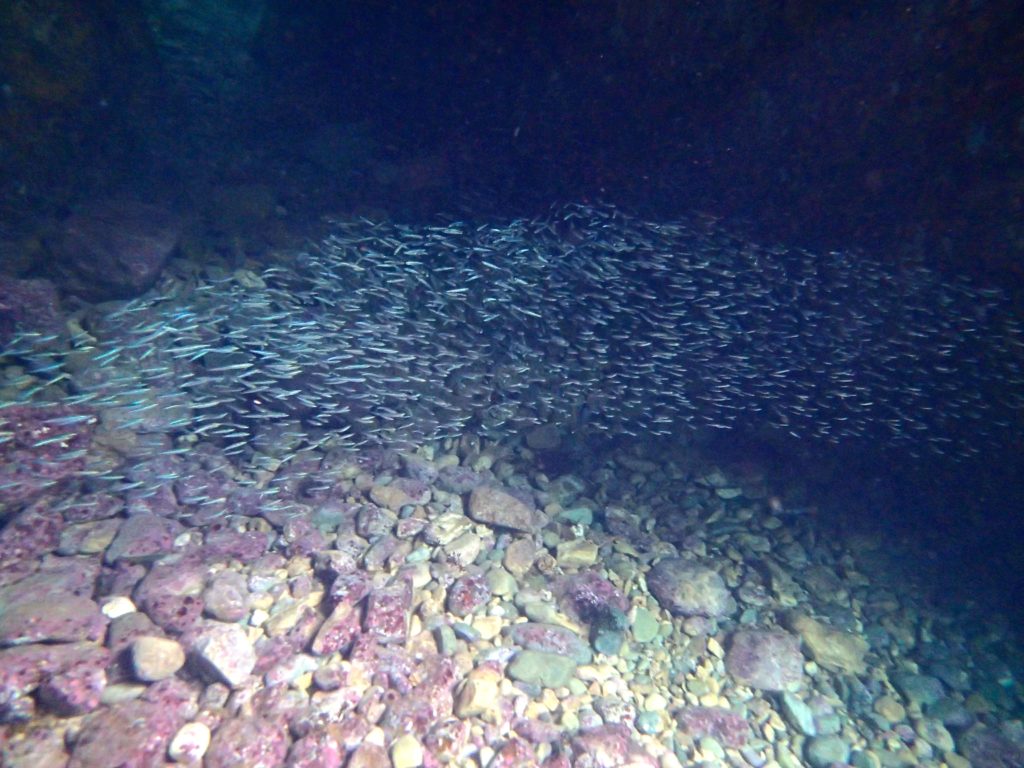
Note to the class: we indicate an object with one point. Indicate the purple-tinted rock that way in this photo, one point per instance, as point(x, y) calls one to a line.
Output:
point(249, 741)
point(467, 594)
point(724, 726)
point(115, 249)
point(686, 588)
point(338, 631)
point(987, 748)
point(593, 598)
point(609, 746)
point(73, 675)
point(350, 587)
point(514, 752)
point(769, 660)
point(95, 506)
point(418, 491)
point(42, 451)
point(374, 521)
point(458, 479)
point(387, 612)
point(301, 537)
point(159, 501)
point(129, 735)
point(315, 750)
point(550, 638)
point(171, 595)
point(227, 597)
point(144, 537)
point(67, 619)
point(497, 507)
point(28, 305)
point(229, 544)
point(37, 748)
point(446, 740)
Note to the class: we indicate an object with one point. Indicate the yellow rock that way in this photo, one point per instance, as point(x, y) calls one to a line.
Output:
point(479, 695)
point(578, 553)
point(831, 648)
point(406, 752)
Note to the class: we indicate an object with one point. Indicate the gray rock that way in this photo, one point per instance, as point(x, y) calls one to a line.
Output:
point(688, 589)
point(769, 660)
point(225, 651)
point(825, 751)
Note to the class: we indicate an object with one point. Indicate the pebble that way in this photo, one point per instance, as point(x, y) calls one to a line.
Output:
point(225, 650)
point(406, 752)
point(189, 743)
point(156, 658)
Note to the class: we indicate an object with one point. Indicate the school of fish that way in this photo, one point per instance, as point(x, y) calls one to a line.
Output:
point(384, 334)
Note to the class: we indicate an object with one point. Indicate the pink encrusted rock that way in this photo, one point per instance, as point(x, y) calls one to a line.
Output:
point(171, 595)
point(727, 728)
point(28, 305)
point(609, 746)
point(94, 506)
point(338, 631)
point(592, 597)
point(249, 741)
point(387, 612)
point(467, 594)
point(129, 735)
point(26, 538)
point(514, 753)
point(48, 444)
point(495, 507)
point(144, 537)
point(301, 537)
point(769, 660)
point(52, 604)
point(73, 675)
point(550, 638)
point(315, 750)
point(34, 748)
point(229, 544)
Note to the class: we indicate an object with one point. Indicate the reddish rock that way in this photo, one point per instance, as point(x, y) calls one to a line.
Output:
point(144, 537)
point(387, 612)
point(338, 631)
point(594, 599)
point(249, 741)
point(94, 506)
point(315, 750)
point(28, 305)
point(514, 753)
point(130, 735)
point(171, 595)
point(550, 638)
point(458, 479)
point(229, 544)
point(467, 594)
point(769, 660)
point(609, 746)
point(73, 675)
point(724, 726)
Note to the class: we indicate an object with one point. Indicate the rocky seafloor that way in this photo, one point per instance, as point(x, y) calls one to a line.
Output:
point(455, 605)
point(184, 588)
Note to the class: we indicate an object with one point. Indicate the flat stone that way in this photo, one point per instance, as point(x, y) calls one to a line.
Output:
point(549, 670)
point(578, 553)
point(493, 506)
point(832, 648)
point(144, 537)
